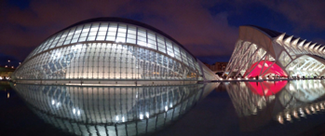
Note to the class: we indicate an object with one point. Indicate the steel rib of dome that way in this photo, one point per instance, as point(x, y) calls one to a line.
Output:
point(111, 50)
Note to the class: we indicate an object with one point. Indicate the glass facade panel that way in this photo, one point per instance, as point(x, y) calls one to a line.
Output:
point(69, 37)
point(109, 50)
point(121, 33)
point(161, 44)
point(111, 34)
point(152, 40)
point(131, 34)
point(77, 34)
point(93, 32)
point(102, 32)
point(84, 33)
point(142, 37)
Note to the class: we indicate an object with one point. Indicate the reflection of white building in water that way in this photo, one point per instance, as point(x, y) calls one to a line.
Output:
point(111, 51)
point(263, 52)
point(111, 111)
point(298, 99)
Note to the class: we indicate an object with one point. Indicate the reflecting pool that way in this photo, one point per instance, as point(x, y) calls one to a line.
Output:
point(272, 104)
point(287, 107)
point(89, 110)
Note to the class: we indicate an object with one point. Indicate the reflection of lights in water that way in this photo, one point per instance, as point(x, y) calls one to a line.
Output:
point(315, 85)
point(58, 104)
point(307, 110)
point(291, 87)
point(295, 114)
point(8, 95)
point(288, 116)
point(298, 84)
point(129, 113)
point(280, 119)
point(147, 114)
point(166, 108)
point(301, 111)
point(313, 109)
point(304, 85)
point(266, 88)
point(74, 111)
point(321, 106)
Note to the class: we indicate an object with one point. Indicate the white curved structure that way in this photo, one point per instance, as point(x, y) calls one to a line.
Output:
point(111, 51)
point(260, 51)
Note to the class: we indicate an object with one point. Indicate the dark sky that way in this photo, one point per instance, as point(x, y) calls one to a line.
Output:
point(209, 29)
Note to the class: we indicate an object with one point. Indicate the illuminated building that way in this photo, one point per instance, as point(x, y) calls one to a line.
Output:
point(111, 51)
point(261, 52)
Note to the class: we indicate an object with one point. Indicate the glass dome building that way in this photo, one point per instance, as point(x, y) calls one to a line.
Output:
point(111, 51)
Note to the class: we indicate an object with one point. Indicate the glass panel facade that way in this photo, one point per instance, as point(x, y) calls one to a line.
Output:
point(73, 59)
point(110, 50)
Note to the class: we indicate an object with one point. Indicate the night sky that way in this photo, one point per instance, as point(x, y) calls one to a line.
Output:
point(208, 29)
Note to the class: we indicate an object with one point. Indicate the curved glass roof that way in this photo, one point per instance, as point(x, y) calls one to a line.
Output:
point(115, 30)
point(111, 48)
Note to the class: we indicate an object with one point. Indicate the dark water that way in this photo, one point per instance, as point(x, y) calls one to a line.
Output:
point(235, 108)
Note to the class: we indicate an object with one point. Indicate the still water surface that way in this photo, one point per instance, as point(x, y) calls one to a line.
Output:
point(229, 108)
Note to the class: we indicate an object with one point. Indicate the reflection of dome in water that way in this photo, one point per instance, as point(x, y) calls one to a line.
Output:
point(111, 51)
point(111, 110)
point(266, 88)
